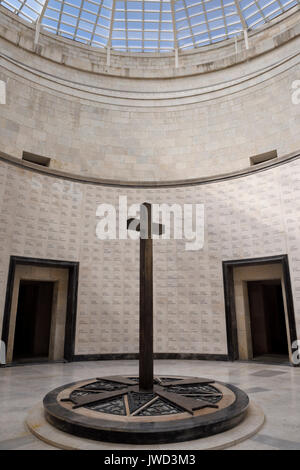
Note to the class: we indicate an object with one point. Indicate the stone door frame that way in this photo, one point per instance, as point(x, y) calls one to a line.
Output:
point(71, 301)
point(230, 299)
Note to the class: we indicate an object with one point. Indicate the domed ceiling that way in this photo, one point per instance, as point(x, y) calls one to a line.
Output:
point(148, 26)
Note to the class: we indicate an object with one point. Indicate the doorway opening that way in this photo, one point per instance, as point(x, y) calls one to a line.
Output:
point(259, 309)
point(39, 320)
point(267, 319)
point(33, 321)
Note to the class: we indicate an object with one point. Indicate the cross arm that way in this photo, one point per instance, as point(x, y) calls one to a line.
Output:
point(134, 224)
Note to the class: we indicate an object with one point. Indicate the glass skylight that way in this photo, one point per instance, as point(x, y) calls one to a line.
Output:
point(148, 26)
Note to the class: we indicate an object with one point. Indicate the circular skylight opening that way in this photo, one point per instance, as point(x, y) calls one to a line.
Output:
point(148, 26)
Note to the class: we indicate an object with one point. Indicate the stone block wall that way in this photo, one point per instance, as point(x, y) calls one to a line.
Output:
point(257, 215)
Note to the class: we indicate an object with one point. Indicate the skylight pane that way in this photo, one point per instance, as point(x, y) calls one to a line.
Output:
point(148, 25)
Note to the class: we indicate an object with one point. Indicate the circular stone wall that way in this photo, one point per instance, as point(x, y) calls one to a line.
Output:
point(146, 118)
point(51, 216)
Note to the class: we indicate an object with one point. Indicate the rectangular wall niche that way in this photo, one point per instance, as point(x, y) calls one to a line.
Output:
point(263, 157)
point(37, 159)
point(259, 309)
point(40, 310)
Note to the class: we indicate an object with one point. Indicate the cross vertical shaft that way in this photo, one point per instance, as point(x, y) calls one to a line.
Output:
point(146, 300)
point(146, 228)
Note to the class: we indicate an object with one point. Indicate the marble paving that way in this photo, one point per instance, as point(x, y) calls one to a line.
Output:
point(274, 388)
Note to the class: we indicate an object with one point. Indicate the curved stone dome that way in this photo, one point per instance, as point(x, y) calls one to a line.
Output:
point(139, 117)
point(148, 26)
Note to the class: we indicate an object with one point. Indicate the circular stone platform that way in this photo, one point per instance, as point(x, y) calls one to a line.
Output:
point(252, 423)
point(113, 409)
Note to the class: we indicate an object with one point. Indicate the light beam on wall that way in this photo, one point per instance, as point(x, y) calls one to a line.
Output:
point(2, 92)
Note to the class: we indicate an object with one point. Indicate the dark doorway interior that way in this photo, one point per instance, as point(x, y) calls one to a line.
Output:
point(33, 323)
point(268, 326)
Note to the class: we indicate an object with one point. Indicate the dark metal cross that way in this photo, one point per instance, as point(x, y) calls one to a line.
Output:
point(170, 390)
point(146, 228)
